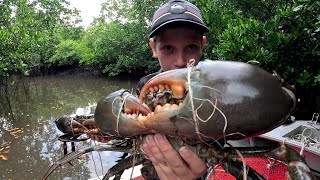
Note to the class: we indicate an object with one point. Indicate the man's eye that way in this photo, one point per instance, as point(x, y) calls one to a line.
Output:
point(167, 48)
point(192, 47)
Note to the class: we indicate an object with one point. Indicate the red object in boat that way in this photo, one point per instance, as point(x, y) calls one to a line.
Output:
point(138, 178)
point(269, 169)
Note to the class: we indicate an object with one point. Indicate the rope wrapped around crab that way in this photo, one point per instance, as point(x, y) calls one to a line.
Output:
point(200, 106)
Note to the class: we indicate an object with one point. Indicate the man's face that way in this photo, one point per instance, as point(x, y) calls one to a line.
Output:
point(176, 46)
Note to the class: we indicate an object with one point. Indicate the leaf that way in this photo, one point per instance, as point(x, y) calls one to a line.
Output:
point(253, 62)
point(5, 158)
point(14, 129)
point(298, 8)
point(317, 79)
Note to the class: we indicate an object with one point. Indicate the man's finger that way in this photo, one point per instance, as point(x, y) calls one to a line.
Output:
point(197, 166)
point(173, 158)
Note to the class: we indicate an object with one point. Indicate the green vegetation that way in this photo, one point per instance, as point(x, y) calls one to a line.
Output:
point(40, 35)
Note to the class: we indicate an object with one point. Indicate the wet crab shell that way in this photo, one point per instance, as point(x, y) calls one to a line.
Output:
point(221, 99)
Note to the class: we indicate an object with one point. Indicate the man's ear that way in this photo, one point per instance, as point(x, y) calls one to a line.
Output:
point(203, 42)
point(153, 47)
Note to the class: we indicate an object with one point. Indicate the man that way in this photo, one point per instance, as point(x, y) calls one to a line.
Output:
point(176, 37)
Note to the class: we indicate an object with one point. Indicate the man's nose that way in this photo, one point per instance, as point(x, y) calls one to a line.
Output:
point(180, 61)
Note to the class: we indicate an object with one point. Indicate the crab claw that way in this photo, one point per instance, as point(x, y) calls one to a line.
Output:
point(69, 126)
point(208, 99)
point(117, 115)
point(165, 94)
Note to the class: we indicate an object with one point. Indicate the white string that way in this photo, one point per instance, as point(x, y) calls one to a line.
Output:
point(195, 115)
point(120, 109)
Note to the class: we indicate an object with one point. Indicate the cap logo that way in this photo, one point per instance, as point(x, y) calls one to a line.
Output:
point(177, 9)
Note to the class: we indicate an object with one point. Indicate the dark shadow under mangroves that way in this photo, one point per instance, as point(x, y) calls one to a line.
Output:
point(28, 136)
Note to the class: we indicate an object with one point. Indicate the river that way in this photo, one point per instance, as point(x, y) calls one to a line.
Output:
point(28, 136)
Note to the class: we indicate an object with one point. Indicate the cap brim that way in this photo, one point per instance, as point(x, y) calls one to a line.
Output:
point(199, 26)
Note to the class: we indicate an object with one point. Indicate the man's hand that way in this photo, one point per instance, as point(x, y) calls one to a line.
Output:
point(171, 164)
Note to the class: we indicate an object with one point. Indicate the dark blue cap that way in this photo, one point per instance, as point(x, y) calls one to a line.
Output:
point(177, 11)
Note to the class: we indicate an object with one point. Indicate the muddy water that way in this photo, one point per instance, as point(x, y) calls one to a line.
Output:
point(28, 135)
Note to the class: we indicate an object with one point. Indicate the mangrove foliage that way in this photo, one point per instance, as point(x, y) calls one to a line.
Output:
point(43, 36)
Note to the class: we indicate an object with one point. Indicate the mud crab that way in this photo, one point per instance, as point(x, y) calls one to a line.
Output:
point(202, 107)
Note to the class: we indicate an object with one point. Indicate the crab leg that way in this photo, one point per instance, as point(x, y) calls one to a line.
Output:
point(126, 163)
point(73, 155)
point(235, 168)
point(65, 148)
point(297, 166)
point(69, 126)
point(73, 147)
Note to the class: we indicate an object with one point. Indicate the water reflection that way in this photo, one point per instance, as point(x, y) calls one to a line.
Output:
point(33, 145)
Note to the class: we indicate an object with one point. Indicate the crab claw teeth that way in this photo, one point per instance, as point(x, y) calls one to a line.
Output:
point(166, 107)
point(178, 91)
point(134, 116)
point(128, 111)
point(142, 118)
point(157, 109)
point(174, 106)
point(151, 89)
point(161, 87)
